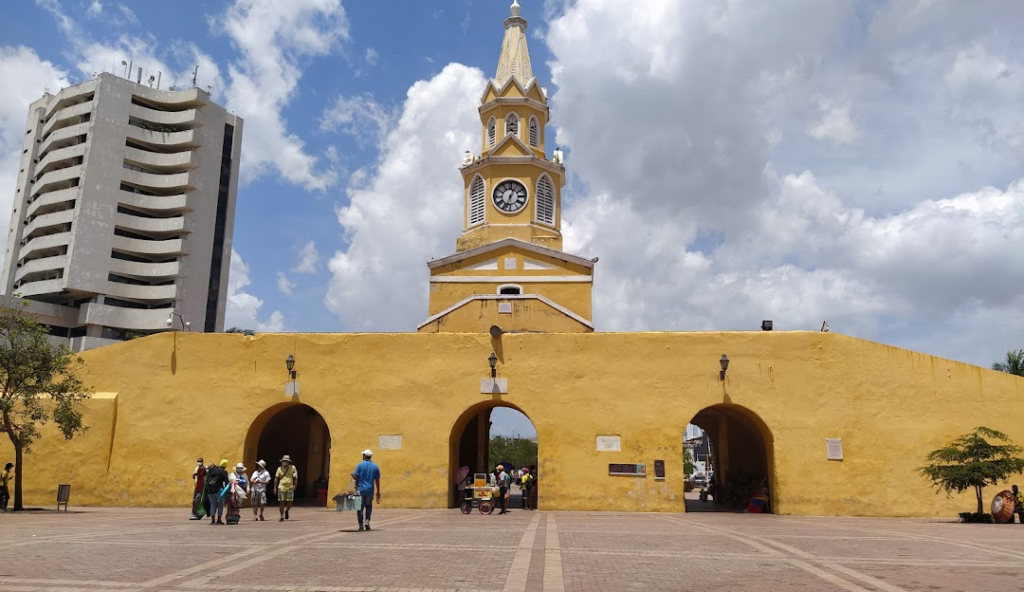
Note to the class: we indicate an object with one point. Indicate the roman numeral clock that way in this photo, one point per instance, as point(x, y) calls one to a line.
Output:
point(509, 196)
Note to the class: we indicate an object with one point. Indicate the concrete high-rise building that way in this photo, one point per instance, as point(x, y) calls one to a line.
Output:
point(123, 211)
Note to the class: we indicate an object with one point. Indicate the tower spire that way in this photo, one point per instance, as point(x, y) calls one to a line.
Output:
point(514, 61)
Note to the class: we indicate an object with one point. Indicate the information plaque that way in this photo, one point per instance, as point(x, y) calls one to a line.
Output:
point(627, 470)
point(834, 448)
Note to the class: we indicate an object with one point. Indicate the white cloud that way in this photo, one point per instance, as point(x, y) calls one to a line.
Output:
point(309, 259)
point(95, 8)
point(128, 15)
point(33, 76)
point(272, 38)
point(285, 285)
point(835, 124)
point(243, 308)
point(372, 57)
point(408, 207)
point(360, 117)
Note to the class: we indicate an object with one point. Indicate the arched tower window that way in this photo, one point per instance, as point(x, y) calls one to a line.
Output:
point(545, 201)
point(477, 201)
point(512, 125)
point(510, 289)
point(534, 132)
point(490, 133)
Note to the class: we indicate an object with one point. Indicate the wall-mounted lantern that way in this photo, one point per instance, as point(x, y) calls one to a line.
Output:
point(724, 362)
point(290, 364)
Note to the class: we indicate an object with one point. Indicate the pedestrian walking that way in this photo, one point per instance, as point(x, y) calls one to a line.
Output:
point(216, 485)
point(238, 491)
point(5, 493)
point(367, 478)
point(258, 489)
point(533, 487)
point(525, 485)
point(200, 504)
point(1018, 505)
point(285, 479)
point(504, 484)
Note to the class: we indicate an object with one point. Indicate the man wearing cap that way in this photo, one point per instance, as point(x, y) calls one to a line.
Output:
point(504, 484)
point(284, 486)
point(367, 478)
point(258, 489)
point(199, 499)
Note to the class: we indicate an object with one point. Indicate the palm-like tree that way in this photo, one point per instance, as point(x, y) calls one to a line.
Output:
point(1014, 363)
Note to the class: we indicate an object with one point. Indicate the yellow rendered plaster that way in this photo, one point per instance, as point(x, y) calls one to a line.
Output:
point(180, 395)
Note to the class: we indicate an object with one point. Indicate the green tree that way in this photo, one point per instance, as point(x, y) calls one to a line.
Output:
point(971, 461)
point(688, 466)
point(240, 330)
point(1014, 363)
point(521, 452)
point(40, 384)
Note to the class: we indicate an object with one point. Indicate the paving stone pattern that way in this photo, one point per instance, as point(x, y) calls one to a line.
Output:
point(152, 550)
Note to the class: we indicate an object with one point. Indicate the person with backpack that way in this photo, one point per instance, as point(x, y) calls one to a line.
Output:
point(504, 484)
point(285, 480)
point(216, 483)
point(525, 485)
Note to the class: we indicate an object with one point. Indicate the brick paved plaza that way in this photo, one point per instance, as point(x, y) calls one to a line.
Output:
point(124, 550)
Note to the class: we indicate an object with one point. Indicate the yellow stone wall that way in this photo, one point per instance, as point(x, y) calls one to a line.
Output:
point(171, 397)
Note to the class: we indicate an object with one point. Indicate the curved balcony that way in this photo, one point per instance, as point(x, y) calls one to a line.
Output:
point(185, 139)
point(173, 162)
point(41, 266)
point(47, 200)
point(144, 270)
point(58, 155)
point(64, 117)
point(48, 220)
point(176, 181)
point(123, 318)
point(51, 179)
point(150, 225)
point(156, 203)
point(62, 138)
point(43, 243)
point(41, 286)
point(171, 100)
point(185, 118)
point(141, 292)
point(72, 95)
point(148, 247)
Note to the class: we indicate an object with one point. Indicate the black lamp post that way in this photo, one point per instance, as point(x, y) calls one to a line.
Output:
point(725, 366)
point(493, 361)
point(290, 363)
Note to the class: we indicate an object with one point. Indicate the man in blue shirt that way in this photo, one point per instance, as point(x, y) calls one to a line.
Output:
point(367, 478)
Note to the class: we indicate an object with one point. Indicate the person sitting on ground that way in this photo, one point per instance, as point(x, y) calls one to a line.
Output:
point(1018, 507)
point(759, 504)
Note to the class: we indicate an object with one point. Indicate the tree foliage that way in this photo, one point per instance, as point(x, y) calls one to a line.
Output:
point(972, 462)
point(688, 466)
point(1014, 363)
point(249, 332)
point(521, 452)
point(40, 384)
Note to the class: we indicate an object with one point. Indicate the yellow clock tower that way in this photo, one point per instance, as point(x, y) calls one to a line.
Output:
point(509, 269)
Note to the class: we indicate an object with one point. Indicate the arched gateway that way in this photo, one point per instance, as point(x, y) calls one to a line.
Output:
point(297, 430)
point(469, 444)
point(742, 454)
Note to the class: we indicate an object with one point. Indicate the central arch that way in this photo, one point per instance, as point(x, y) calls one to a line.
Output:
point(469, 444)
point(295, 429)
point(742, 456)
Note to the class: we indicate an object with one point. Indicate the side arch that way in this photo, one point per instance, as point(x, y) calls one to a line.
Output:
point(468, 442)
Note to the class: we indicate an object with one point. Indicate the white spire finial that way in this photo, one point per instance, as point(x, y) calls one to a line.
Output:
point(515, 8)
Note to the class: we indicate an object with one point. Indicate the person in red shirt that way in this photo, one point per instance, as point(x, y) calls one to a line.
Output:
point(199, 501)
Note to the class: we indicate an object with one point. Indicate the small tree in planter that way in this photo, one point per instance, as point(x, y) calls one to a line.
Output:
point(971, 461)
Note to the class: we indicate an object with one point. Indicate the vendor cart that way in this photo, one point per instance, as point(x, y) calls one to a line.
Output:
point(480, 495)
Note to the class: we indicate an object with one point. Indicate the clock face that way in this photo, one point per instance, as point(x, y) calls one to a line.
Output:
point(509, 196)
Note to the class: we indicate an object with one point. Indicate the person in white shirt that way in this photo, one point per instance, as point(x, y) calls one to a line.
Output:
point(258, 489)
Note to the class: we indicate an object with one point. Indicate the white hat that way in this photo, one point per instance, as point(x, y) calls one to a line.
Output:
point(367, 453)
point(286, 458)
point(262, 463)
point(240, 467)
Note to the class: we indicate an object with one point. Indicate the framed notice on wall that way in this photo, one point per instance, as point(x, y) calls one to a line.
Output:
point(627, 470)
point(834, 448)
point(659, 470)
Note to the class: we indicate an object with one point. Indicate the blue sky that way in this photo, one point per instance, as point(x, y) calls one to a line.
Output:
point(855, 161)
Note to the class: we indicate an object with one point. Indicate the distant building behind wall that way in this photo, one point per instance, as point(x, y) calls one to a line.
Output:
point(124, 210)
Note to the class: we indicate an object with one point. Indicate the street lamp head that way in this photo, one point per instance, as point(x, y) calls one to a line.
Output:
point(170, 321)
point(188, 325)
point(724, 362)
point(290, 362)
point(493, 361)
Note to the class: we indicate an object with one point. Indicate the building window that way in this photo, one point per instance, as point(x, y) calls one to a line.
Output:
point(534, 132)
point(512, 125)
point(477, 201)
point(510, 289)
point(490, 133)
point(545, 201)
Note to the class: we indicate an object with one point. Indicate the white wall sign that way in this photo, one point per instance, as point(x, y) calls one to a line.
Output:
point(392, 442)
point(510, 262)
point(834, 448)
point(609, 444)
